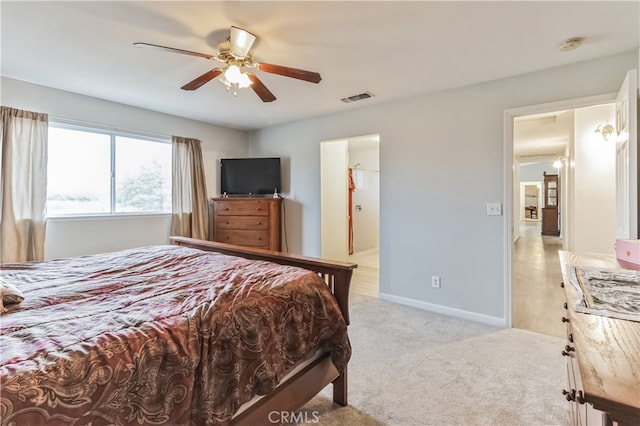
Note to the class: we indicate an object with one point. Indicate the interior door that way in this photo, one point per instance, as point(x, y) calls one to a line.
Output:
point(627, 158)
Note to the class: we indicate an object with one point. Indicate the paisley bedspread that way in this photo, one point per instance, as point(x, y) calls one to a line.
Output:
point(157, 335)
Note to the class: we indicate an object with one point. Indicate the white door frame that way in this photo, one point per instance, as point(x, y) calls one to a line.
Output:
point(508, 161)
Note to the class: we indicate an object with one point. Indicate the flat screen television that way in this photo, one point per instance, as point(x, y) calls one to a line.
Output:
point(249, 176)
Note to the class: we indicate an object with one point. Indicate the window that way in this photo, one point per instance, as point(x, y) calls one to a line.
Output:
point(94, 171)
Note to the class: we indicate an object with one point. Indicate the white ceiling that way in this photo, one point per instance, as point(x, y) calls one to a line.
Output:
point(542, 137)
point(390, 49)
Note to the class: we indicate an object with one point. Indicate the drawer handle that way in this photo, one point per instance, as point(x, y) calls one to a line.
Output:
point(259, 238)
point(562, 284)
point(565, 319)
point(226, 209)
point(258, 209)
point(569, 395)
point(258, 223)
point(227, 222)
point(571, 337)
point(572, 395)
point(567, 350)
point(565, 305)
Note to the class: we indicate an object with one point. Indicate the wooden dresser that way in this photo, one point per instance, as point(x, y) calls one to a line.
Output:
point(252, 222)
point(603, 356)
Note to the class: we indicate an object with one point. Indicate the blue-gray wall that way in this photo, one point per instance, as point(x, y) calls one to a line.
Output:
point(441, 161)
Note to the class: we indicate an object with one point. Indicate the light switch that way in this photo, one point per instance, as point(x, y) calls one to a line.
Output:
point(494, 209)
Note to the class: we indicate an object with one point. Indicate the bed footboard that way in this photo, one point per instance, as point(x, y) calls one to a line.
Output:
point(337, 275)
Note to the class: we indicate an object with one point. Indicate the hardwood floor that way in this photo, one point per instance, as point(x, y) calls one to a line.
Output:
point(538, 297)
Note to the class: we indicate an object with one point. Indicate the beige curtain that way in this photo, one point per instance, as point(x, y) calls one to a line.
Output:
point(190, 210)
point(23, 184)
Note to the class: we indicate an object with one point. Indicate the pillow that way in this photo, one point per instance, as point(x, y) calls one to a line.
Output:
point(9, 294)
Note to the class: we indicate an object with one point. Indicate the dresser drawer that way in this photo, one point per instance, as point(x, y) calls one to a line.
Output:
point(242, 222)
point(241, 208)
point(244, 238)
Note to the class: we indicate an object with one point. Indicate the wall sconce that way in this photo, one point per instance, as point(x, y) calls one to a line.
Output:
point(559, 162)
point(605, 130)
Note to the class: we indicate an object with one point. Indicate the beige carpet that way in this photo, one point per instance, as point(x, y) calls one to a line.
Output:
point(411, 367)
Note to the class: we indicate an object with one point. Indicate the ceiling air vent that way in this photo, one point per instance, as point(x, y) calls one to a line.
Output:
point(354, 98)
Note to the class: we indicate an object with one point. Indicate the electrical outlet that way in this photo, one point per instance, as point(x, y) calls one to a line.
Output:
point(435, 281)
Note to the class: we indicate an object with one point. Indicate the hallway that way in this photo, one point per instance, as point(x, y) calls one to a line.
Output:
point(538, 297)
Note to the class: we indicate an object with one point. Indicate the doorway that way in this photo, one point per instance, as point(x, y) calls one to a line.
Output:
point(519, 268)
point(530, 198)
point(350, 207)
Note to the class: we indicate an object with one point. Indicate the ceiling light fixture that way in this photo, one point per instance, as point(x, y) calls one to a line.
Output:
point(244, 81)
point(235, 79)
point(232, 74)
point(570, 44)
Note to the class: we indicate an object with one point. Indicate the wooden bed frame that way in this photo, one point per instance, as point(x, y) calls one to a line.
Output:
point(299, 388)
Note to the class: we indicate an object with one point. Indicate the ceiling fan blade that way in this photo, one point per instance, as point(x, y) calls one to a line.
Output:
point(310, 76)
point(241, 41)
point(204, 78)
point(260, 89)
point(174, 50)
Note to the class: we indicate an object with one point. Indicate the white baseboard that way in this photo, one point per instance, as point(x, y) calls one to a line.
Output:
point(445, 310)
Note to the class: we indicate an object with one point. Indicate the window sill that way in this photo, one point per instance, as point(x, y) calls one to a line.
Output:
point(119, 216)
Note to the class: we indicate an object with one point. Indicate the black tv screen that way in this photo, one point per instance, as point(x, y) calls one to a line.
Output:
point(249, 176)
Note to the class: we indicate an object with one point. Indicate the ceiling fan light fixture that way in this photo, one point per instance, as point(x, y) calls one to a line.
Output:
point(224, 81)
point(233, 74)
point(241, 42)
point(244, 81)
point(236, 54)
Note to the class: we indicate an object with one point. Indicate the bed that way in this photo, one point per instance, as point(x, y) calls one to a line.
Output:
point(191, 333)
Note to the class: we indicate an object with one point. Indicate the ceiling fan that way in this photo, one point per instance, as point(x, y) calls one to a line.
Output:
point(236, 54)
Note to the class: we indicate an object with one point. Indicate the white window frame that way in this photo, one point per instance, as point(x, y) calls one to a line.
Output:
point(112, 133)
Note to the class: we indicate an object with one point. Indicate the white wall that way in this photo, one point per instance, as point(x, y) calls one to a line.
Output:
point(594, 215)
point(367, 195)
point(334, 199)
point(440, 163)
point(69, 237)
